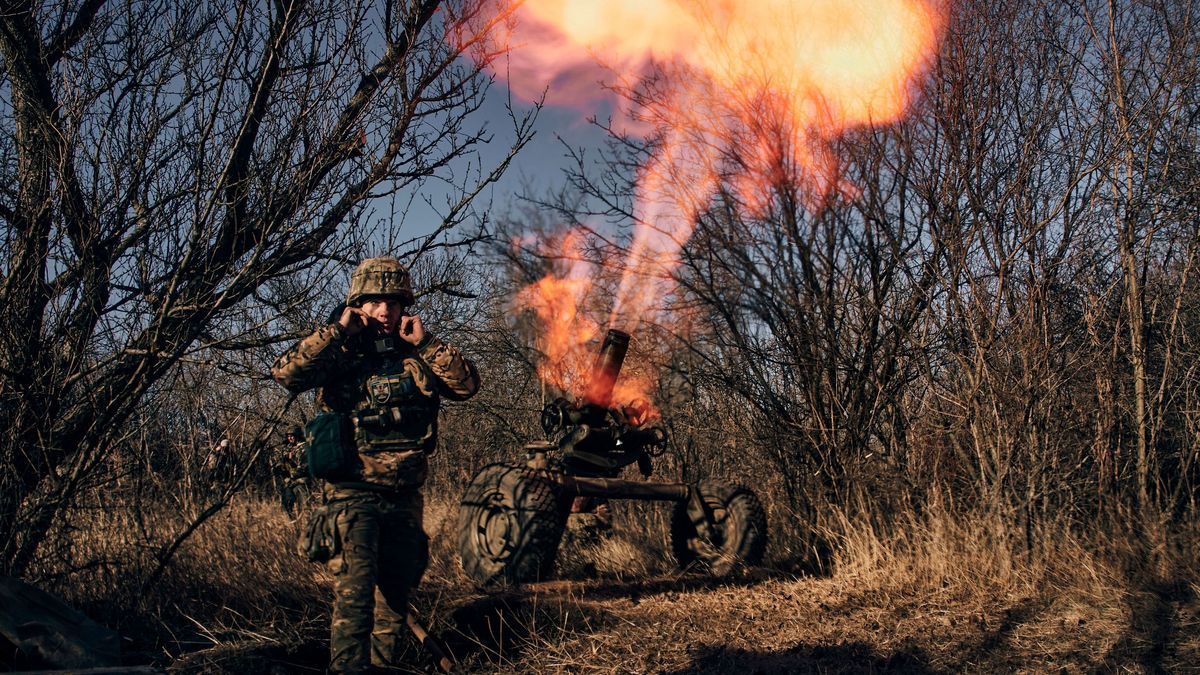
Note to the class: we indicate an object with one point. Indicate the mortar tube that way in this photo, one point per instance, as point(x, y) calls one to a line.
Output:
point(607, 368)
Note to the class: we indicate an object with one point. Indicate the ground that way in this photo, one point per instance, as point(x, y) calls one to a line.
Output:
point(765, 623)
point(944, 597)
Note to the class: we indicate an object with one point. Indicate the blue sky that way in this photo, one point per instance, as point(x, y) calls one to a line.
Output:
point(538, 167)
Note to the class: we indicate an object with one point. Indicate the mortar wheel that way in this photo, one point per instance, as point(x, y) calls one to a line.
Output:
point(738, 527)
point(509, 526)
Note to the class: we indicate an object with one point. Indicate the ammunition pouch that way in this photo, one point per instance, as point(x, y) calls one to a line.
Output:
point(319, 541)
point(329, 446)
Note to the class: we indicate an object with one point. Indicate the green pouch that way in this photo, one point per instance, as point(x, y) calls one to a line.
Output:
point(329, 442)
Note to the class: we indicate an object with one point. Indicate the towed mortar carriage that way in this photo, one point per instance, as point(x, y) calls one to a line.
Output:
point(512, 515)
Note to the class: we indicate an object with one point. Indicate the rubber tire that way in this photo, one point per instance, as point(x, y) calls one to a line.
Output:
point(509, 526)
point(739, 526)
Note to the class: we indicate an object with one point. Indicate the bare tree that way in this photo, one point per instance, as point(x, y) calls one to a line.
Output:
point(1006, 308)
point(1146, 74)
point(174, 176)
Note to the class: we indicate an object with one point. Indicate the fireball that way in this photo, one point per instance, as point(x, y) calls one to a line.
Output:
point(732, 96)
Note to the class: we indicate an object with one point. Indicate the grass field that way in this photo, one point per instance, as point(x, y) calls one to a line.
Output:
point(942, 595)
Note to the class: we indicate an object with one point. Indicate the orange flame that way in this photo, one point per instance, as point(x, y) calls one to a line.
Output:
point(570, 337)
point(746, 95)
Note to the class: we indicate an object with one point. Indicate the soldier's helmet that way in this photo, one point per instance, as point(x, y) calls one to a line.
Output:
point(295, 432)
point(382, 277)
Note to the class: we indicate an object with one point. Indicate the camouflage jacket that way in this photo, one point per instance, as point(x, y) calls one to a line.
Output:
point(352, 375)
point(290, 462)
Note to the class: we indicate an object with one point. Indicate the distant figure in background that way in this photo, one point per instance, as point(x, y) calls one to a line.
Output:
point(291, 470)
point(217, 464)
point(379, 368)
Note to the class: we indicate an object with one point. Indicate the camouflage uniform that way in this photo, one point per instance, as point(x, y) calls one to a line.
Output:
point(378, 513)
point(291, 469)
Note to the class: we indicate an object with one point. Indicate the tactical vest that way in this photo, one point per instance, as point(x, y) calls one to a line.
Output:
point(395, 415)
point(391, 425)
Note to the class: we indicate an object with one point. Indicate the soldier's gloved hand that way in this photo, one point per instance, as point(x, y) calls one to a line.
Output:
point(411, 329)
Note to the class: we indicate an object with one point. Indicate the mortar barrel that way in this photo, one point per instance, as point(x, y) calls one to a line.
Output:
point(607, 367)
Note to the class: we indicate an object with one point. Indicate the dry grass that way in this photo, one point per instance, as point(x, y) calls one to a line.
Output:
point(236, 584)
point(939, 594)
point(936, 593)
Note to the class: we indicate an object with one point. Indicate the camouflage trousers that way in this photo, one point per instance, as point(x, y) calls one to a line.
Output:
point(383, 553)
point(293, 493)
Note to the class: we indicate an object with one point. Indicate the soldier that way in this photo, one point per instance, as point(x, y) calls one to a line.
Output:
point(217, 464)
point(291, 470)
point(378, 366)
